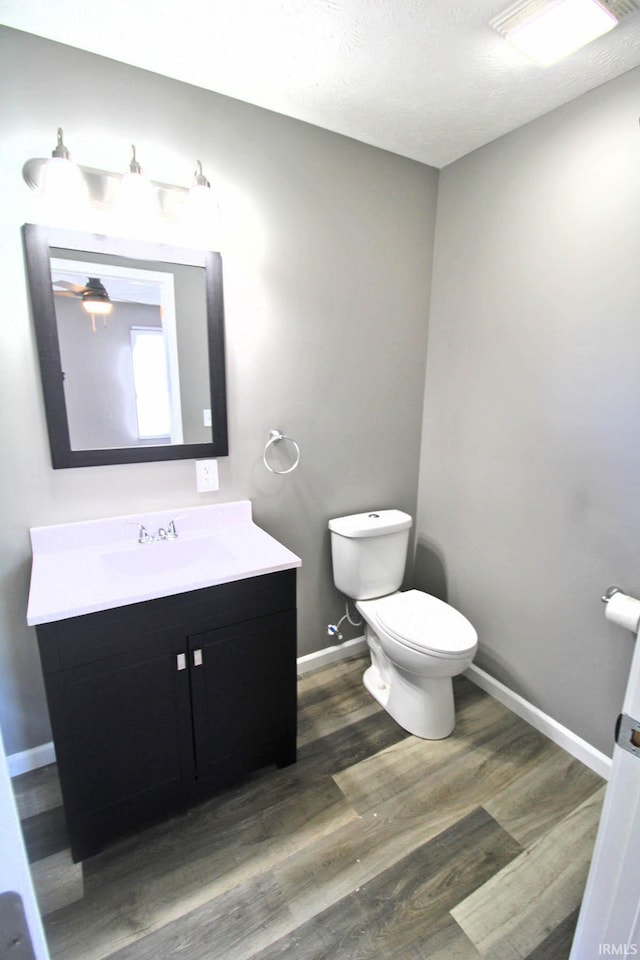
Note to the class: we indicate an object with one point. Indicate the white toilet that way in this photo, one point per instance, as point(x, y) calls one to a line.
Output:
point(417, 642)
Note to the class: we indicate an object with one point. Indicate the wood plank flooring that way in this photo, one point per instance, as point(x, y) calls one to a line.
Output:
point(375, 844)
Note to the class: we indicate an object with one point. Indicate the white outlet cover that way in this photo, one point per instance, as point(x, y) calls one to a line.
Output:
point(207, 476)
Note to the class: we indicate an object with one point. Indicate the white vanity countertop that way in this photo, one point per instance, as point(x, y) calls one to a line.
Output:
point(96, 565)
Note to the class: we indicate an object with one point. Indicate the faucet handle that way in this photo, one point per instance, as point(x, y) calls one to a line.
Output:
point(172, 533)
point(143, 535)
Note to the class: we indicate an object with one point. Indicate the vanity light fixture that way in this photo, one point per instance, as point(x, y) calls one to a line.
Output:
point(200, 179)
point(131, 195)
point(137, 198)
point(546, 31)
point(200, 211)
point(62, 183)
point(96, 301)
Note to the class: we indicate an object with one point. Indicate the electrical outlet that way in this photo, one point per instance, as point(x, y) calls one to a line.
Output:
point(206, 476)
point(206, 418)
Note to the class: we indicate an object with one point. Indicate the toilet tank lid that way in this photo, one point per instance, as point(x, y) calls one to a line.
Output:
point(374, 524)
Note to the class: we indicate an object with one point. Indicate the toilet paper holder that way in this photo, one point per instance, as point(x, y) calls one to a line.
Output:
point(610, 592)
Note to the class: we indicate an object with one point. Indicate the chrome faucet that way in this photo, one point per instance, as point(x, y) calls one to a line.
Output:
point(143, 535)
point(170, 533)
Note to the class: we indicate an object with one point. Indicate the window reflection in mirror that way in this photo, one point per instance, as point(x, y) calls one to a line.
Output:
point(156, 392)
point(141, 376)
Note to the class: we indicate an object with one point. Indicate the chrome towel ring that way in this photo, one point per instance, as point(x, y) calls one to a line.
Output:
point(274, 437)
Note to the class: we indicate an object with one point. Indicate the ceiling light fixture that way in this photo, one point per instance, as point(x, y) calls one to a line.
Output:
point(549, 30)
point(96, 301)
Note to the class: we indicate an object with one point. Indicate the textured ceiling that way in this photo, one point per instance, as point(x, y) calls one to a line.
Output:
point(426, 79)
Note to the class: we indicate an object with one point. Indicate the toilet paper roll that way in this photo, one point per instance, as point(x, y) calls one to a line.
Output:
point(624, 610)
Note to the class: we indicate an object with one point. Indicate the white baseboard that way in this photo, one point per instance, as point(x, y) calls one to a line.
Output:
point(27, 760)
point(350, 648)
point(599, 762)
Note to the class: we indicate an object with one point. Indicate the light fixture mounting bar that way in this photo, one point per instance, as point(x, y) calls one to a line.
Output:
point(102, 186)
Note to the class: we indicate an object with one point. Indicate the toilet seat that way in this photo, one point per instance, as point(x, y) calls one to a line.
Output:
point(423, 623)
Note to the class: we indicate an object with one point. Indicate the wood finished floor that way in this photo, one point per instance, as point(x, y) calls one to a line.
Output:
point(375, 844)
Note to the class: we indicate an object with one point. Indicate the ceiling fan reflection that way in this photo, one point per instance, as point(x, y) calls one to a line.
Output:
point(94, 296)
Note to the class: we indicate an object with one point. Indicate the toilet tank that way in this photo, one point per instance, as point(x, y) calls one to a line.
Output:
point(369, 552)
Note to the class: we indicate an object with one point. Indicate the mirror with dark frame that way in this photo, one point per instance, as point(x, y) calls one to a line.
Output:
point(130, 338)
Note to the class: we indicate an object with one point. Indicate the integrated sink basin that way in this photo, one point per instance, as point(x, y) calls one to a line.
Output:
point(162, 556)
point(93, 565)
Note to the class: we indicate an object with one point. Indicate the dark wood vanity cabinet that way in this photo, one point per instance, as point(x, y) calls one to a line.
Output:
point(156, 705)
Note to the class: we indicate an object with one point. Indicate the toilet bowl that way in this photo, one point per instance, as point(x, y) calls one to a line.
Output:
point(417, 642)
point(417, 645)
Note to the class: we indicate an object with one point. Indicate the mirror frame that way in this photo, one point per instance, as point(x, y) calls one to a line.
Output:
point(38, 241)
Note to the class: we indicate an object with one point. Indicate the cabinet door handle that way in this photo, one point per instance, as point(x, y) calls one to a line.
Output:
point(197, 658)
point(181, 661)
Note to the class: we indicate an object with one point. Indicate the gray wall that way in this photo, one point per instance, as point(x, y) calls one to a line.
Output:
point(530, 471)
point(327, 283)
point(530, 447)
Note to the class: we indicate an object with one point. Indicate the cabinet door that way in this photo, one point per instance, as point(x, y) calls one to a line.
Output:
point(243, 681)
point(123, 738)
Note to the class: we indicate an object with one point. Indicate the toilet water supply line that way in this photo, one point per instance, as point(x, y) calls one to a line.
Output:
point(333, 629)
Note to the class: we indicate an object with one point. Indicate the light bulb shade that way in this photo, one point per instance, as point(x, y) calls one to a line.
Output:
point(63, 186)
point(138, 198)
point(95, 299)
point(200, 212)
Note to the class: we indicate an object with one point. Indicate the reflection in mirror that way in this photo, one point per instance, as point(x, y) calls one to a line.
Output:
point(131, 346)
point(121, 373)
